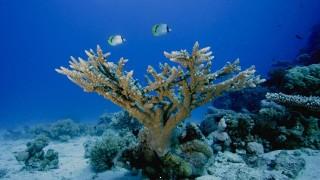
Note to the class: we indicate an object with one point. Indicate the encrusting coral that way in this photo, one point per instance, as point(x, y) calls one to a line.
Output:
point(168, 99)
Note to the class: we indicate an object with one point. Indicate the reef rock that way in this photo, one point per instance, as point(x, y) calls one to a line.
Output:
point(35, 158)
point(255, 148)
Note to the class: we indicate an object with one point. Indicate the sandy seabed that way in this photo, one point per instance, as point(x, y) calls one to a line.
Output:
point(72, 164)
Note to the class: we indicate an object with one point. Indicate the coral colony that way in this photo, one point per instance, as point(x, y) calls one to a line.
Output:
point(169, 97)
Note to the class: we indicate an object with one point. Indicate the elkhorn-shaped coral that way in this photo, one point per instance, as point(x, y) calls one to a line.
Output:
point(170, 95)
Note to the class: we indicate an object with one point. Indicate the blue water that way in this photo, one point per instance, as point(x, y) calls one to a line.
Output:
point(38, 36)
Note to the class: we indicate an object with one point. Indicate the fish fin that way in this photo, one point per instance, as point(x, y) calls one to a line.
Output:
point(154, 29)
point(110, 40)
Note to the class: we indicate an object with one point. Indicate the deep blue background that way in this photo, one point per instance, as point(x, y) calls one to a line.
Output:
point(37, 36)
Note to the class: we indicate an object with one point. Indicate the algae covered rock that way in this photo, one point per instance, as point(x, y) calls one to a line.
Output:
point(35, 158)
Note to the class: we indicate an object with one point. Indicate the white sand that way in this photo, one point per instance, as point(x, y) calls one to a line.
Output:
point(72, 165)
point(312, 168)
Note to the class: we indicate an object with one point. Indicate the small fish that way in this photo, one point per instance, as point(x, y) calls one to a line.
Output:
point(160, 29)
point(116, 40)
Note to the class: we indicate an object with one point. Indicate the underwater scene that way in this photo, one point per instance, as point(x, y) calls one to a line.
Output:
point(161, 89)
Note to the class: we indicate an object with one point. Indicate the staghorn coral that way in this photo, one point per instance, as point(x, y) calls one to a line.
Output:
point(168, 99)
point(311, 103)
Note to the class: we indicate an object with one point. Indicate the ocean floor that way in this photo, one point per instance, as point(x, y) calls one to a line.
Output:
point(73, 166)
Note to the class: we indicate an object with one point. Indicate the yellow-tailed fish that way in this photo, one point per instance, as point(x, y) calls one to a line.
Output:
point(160, 29)
point(116, 40)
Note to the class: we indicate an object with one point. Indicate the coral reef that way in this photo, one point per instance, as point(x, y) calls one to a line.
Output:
point(280, 121)
point(303, 80)
point(292, 130)
point(296, 80)
point(61, 130)
point(295, 125)
point(274, 126)
point(35, 158)
point(227, 129)
point(165, 102)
